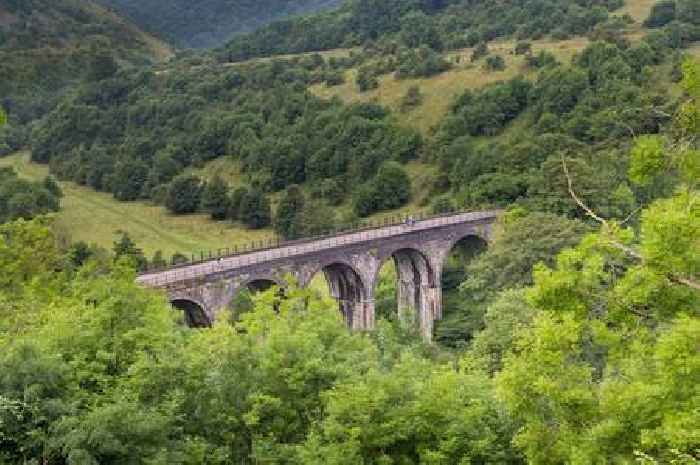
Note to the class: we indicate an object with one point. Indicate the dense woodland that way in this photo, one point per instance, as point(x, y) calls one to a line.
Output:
point(208, 23)
point(438, 24)
point(571, 339)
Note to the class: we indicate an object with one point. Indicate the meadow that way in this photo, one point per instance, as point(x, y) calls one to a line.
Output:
point(96, 217)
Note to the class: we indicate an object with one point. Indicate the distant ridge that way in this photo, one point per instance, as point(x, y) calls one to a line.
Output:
point(209, 23)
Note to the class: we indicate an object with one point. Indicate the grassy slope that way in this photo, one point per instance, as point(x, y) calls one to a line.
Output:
point(96, 217)
point(440, 90)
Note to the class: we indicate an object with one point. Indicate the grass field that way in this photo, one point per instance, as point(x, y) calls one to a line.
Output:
point(95, 217)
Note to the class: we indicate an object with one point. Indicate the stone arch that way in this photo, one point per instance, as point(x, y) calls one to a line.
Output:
point(347, 286)
point(194, 313)
point(262, 283)
point(474, 241)
point(417, 287)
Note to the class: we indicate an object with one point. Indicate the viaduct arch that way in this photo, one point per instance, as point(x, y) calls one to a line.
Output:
point(350, 263)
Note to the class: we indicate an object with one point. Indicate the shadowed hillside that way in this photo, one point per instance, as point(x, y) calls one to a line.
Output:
point(46, 45)
point(208, 23)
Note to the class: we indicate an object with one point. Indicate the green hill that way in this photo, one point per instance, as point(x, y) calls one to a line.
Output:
point(209, 23)
point(47, 45)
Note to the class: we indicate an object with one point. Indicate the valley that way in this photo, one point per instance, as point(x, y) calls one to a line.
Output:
point(547, 313)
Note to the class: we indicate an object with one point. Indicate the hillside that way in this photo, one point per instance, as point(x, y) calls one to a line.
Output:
point(96, 218)
point(439, 25)
point(47, 45)
point(209, 23)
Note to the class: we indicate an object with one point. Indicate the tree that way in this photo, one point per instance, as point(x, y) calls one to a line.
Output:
point(215, 198)
point(661, 14)
point(317, 218)
point(288, 215)
point(3, 117)
point(125, 247)
point(366, 79)
point(412, 99)
point(391, 188)
point(495, 63)
point(158, 262)
point(689, 11)
point(234, 209)
point(255, 209)
point(616, 326)
point(184, 194)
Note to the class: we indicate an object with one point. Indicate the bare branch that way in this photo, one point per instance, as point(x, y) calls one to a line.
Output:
point(685, 281)
point(618, 245)
point(578, 201)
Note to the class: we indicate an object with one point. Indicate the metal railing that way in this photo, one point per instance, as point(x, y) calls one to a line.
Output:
point(276, 249)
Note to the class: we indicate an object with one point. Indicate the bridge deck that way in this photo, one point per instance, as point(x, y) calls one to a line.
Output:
point(163, 278)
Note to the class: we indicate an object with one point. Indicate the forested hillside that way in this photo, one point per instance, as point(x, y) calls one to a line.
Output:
point(47, 45)
point(209, 23)
point(436, 24)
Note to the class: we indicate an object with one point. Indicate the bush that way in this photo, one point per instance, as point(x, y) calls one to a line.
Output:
point(184, 194)
point(495, 63)
point(215, 198)
point(523, 48)
point(366, 79)
point(255, 210)
point(390, 189)
point(411, 99)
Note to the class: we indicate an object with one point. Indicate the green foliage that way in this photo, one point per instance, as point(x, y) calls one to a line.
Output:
point(607, 368)
point(436, 25)
point(102, 66)
point(421, 63)
point(506, 264)
point(486, 111)
point(647, 159)
point(48, 45)
point(125, 247)
point(391, 188)
point(495, 63)
point(254, 210)
point(214, 21)
point(523, 48)
point(25, 199)
point(366, 79)
point(3, 117)
point(412, 99)
point(288, 223)
point(661, 14)
point(98, 356)
point(184, 194)
point(215, 198)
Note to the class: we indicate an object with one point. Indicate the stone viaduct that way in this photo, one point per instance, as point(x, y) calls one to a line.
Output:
point(350, 262)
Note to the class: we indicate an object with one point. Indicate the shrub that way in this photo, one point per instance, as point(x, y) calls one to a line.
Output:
point(184, 194)
point(495, 63)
